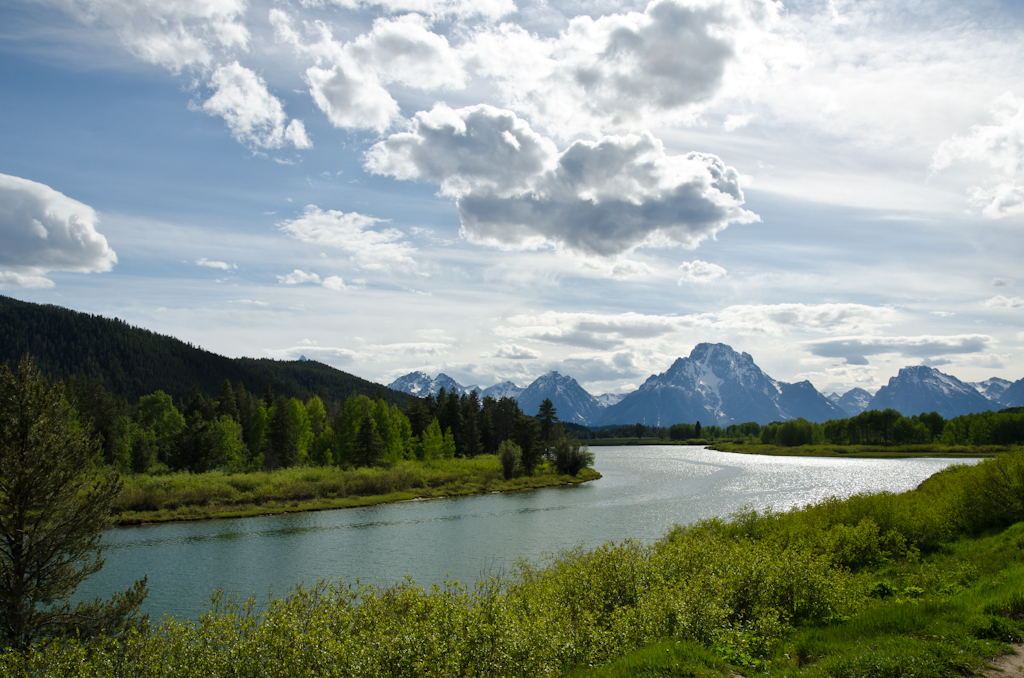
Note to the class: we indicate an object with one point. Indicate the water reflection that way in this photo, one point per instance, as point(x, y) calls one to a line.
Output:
point(644, 491)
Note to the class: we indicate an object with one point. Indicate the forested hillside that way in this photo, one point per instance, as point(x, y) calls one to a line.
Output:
point(133, 362)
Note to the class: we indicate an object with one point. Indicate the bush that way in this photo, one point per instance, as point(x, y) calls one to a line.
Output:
point(509, 454)
point(571, 457)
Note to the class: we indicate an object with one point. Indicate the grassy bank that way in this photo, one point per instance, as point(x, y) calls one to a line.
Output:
point(197, 496)
point(927, 583)
point(866, 451)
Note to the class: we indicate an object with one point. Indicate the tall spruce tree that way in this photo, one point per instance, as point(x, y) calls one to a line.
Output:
point(54, 506)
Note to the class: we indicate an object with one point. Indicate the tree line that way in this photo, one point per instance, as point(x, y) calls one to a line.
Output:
point(239, 430)
point(889, 427)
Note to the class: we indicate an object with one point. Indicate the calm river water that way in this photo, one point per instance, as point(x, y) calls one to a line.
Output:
point(644, 491)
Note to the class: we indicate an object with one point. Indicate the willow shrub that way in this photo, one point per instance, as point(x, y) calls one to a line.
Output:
point(737, 596)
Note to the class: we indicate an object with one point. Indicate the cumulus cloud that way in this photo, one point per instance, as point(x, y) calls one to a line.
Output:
point(856, 349)
point(43, 230)
point(298, 277)
point(1001, 147)
point(354, 234)
point(700, 271)
point(255, 117)
point(403, 50)
point(605, 197)
point(510, 351)
point(222, 265)
point(171, 33)
point(348, 80)
point(1000, 301)
point(618, 68)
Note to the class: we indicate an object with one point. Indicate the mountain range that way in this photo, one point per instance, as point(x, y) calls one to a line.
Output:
point(717, 385)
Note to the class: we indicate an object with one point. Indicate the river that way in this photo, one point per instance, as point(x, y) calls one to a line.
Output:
point(644, 491)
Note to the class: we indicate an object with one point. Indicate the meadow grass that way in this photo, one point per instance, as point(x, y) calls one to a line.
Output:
point(219, 494)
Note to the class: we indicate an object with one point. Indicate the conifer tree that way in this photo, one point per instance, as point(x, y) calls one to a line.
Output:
point(53, 509)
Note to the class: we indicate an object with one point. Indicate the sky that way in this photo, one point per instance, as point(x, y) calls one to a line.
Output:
point(494, 189)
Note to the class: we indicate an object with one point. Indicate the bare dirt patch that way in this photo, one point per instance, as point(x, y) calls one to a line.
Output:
point(1008, 666)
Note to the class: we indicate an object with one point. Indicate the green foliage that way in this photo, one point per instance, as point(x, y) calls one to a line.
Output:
point(509, 455)
point(53, 509)
point(570, 457)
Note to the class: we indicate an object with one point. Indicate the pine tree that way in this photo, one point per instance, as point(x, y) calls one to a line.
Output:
point(53, 510)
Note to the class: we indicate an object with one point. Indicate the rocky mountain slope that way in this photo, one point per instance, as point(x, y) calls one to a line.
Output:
point(853, 402)
point(920, 389)
point(717, 385)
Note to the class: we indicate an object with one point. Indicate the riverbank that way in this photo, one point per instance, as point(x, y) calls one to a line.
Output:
point(924, 583)
point(868, 451)
point(201, 496)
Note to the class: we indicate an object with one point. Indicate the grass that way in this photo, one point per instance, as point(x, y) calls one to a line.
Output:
point(216, 494)
point(866, 451)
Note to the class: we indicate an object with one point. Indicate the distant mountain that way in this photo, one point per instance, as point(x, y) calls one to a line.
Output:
point(717, 385)
point(992, 388)
point(571, 401)
point(133, 362)
point(1013, 396)
point(609, 399)
point(920, 389)
point(421, 384)
point(853, 402)
point(505, 389)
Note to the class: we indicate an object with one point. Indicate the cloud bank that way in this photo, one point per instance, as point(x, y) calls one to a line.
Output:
point(43, 230)
point(514, 189)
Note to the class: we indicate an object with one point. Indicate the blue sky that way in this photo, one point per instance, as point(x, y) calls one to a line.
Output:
point(496, 189)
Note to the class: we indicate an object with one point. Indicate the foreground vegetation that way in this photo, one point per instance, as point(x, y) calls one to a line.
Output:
point(925, 583)
point(218, 494)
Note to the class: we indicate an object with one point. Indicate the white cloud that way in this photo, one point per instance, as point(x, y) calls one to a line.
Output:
point(352, 233)
point(172, 33)
point(255, 117)
point(250, 302)
point(600, 197)
point(1001, 147)
point(855, 349)
point(700, 271)
point(12, 280)
point(222, 265)
point(298, 277)
point(403, 50)
point(605, 332)
point(348, 80)
point(334, 283)
point(510, 351)
point(1000, 301)
point(777, 319)
point(44, 230)
point(350, 98)
point(618, 69)
point(486, 9)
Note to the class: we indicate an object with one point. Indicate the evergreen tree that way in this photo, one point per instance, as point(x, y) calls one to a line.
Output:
point(226, 403)
point(53, 510)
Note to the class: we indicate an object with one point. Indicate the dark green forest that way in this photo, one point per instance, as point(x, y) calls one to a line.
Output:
point(131, 362)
